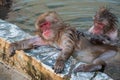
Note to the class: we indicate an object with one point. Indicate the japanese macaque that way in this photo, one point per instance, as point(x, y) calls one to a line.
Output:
point(105, 25)
point(103, 32)
point(51, 30)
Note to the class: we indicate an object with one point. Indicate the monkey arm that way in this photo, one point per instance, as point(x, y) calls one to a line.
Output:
point(100, 39)
point(26, 44)
point(67, 46)
point(104, 39)
point(97, 39)
point(65, 54)
point(62, 58)
point(60, 62)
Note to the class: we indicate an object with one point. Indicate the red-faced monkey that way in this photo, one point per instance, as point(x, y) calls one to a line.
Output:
point(105, 25)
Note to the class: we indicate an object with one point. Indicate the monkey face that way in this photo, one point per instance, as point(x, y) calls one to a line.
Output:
point(47, 32)
point(104, 21)
point(46, 23)
point(100, 22)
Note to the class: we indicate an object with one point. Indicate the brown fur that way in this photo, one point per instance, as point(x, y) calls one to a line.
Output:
point(105, 27)
point(69, 41)
point(112, 19)
point(6, 3)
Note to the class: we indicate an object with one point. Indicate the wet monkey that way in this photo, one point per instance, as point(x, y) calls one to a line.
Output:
point(51, 30)
point(105, 25)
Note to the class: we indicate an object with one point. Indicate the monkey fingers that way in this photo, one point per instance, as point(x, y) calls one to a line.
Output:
point(12, 49)
point(59, 66)
point(88, 68)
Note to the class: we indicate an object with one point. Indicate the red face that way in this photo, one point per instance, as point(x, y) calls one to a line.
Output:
point(100, 22)
point(46, 23)
point(98, 28)
point(47, 33)
point(45, 26)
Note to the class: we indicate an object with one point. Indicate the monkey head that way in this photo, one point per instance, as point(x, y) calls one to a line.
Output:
point(46, 25)
point(104, 21)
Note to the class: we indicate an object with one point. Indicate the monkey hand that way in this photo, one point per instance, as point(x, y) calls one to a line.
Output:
point(99, 39)
point(59, 66)
point(11, 49)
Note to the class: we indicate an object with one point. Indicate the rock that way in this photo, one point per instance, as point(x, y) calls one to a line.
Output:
point(8, 73)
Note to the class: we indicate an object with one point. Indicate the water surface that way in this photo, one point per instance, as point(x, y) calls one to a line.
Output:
point(76, 12)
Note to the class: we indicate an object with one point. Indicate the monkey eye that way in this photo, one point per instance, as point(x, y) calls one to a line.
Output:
point(44, 26)
point(41, 25)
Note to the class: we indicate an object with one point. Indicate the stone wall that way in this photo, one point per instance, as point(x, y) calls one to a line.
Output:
point(36, 63)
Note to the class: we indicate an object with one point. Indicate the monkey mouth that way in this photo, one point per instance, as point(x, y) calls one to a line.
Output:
point(98, 29)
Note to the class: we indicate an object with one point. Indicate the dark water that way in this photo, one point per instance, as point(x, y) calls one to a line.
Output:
point(76, 12)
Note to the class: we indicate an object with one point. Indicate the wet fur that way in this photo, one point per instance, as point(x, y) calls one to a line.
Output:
point(105, 22)
point(70, 41)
